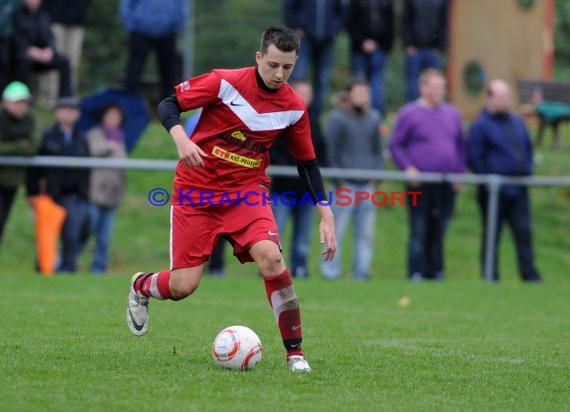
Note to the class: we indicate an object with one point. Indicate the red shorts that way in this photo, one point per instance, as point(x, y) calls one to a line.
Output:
point(194, 231)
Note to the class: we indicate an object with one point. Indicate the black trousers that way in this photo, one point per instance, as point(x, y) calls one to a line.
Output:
point(139, 47)
point(514, 209)
point(5, 65)
point(7, 196)
point(25, 67)
point(216, 263)
point(428, 223)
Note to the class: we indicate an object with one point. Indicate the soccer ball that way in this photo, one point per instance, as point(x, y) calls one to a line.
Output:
point(237, 347)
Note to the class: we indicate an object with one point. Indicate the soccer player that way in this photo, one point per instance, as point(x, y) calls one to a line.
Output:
point(243, 112)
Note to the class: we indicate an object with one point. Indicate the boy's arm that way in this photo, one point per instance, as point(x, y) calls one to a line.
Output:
point(188, 152)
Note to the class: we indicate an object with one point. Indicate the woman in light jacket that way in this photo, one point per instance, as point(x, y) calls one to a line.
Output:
point(107, 186)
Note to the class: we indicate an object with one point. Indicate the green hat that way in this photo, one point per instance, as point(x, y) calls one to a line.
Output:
point(16, 91)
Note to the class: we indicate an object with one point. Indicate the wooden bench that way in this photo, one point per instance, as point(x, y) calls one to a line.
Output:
point(550, 101)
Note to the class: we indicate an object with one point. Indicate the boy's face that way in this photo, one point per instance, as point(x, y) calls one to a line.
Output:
point(275, 66)
point(359, 95)
point(17, 109)
point(67, 116)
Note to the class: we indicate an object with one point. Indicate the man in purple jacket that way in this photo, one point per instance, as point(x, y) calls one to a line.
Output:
point(428, 137)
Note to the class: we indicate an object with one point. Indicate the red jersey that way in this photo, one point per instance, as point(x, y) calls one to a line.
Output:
point(237, 126)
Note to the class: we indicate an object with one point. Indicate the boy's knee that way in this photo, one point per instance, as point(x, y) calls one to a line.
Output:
point(272, 263)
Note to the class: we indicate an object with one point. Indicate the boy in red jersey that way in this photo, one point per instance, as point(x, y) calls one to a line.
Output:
point(243, 111)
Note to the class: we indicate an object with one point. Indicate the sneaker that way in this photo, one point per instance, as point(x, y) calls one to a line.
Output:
point(417, 277)
point(137, 309)
point(298, 364)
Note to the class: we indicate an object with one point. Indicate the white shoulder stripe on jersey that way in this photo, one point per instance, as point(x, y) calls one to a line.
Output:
point(250, 117)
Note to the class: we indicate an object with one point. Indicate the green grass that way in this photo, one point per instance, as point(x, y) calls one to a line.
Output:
point(460, 345)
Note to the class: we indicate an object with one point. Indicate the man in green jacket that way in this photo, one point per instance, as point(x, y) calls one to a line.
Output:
point(17, 138)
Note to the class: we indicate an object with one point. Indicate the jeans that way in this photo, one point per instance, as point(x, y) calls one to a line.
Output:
point(75, 231)
point(364, 221)
point(303, 217)
point(320, 53)
point(515, 210)
point(428, 223)
point(139, 47)
point(102, 223)
point(371, 68)
point(416, 63)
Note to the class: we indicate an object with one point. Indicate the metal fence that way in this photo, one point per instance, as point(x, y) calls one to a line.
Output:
point(493, 182)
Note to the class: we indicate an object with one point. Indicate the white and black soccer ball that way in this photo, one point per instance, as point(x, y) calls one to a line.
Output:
point(237, 347)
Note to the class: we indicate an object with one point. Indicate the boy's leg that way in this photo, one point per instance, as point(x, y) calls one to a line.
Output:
point(192, 236)
point(166, 284)
point(283, 300)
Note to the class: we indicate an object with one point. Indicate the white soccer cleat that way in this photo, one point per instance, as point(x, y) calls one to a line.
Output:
point(137, 309)
point(298, 364)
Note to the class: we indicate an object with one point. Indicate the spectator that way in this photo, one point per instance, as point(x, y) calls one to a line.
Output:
point(370, 24)
point(424, 32)
point(428, 137)
point(302, 213)
point(68, 187)
point(353, 139)
point(107, 186)
point(7, 9)
point(35, 46)
point(152, 24)
point(68, 26)
point(499, 143)
point(16, 138)
point(317, 23)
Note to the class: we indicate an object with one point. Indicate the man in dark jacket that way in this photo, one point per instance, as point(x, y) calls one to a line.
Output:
point(17, 138)
point(370, 24)
point(499, 143)
point(290, 190)
point(424, 32)
point(68, 187)
point(68, 25)
point(35, 46)
point(317, 23)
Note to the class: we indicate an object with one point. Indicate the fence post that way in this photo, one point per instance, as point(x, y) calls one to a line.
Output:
point(493, 187)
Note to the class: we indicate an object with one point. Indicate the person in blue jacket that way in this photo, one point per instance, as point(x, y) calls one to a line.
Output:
point(499, 143)
point(152, 24)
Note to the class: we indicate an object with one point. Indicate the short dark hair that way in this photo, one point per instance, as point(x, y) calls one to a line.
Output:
point(110, 106)
point(358, 81)
point(282, 37)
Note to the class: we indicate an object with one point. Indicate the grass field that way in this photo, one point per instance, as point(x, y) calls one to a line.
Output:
point(456, 346)
point(459, 345)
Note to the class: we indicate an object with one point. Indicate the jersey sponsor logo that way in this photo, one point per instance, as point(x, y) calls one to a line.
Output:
point(185, 86)
point(239, 139)
point(239, 135)
point(250, 117)
point(235, 158)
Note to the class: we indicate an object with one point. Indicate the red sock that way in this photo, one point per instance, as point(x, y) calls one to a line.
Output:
point(154, 285)
point(282, 298)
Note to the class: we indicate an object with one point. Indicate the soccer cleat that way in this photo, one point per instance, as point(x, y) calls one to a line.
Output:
point(137, 309)
point(298, 364)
